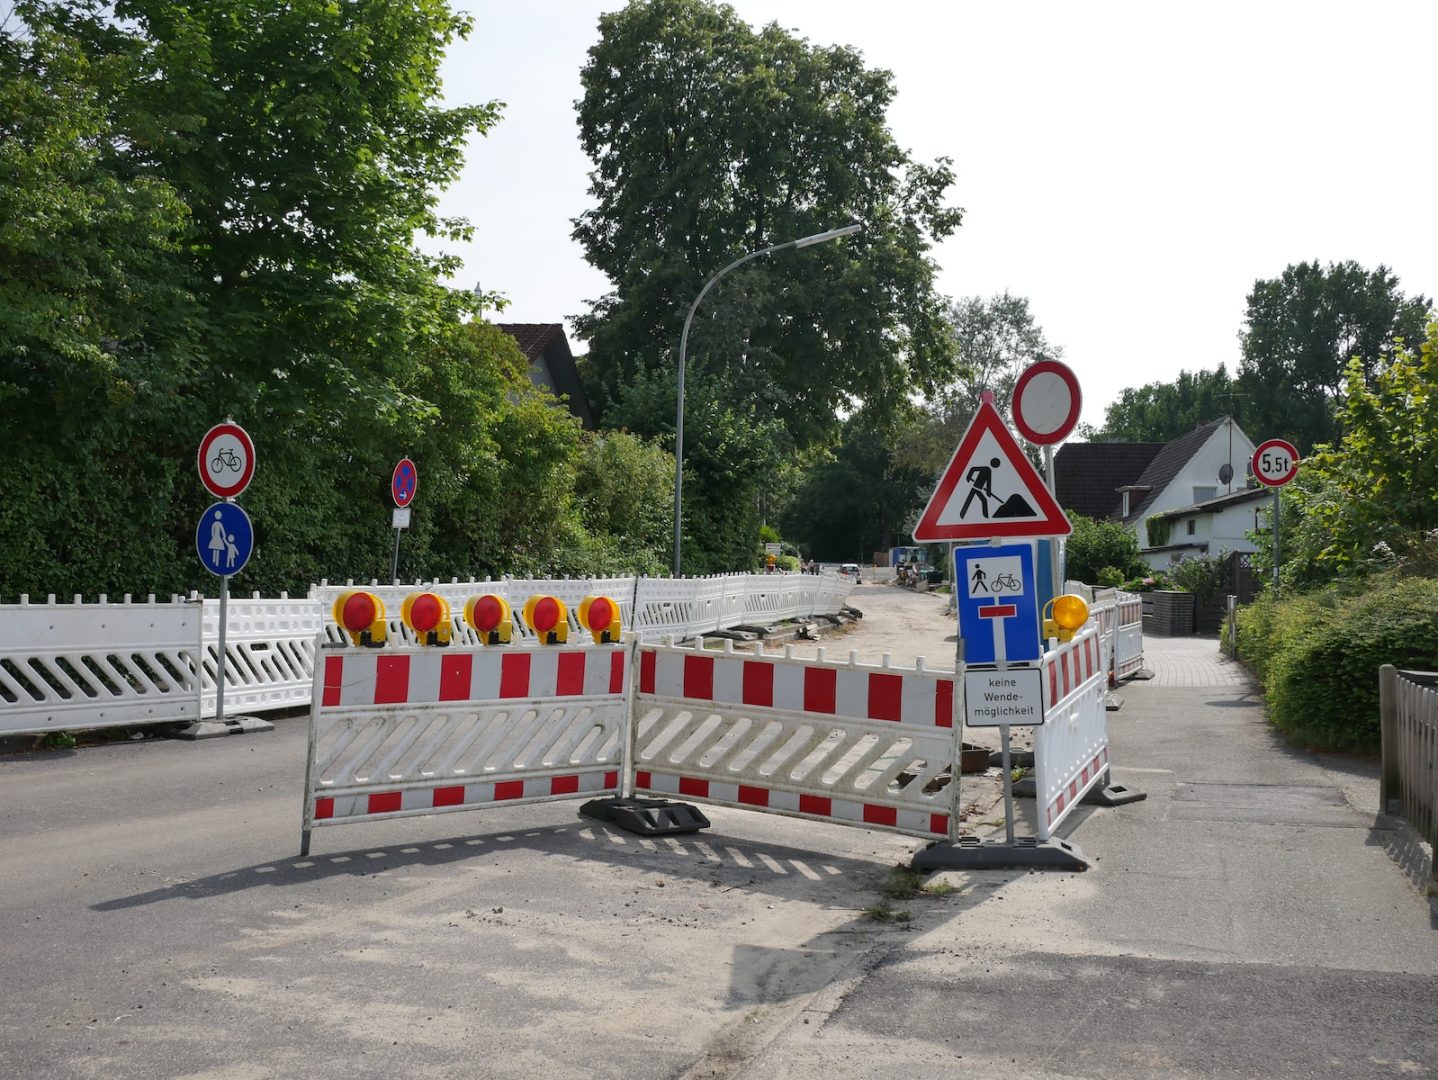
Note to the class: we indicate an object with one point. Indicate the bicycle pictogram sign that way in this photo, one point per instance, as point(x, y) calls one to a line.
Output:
point(226, 460)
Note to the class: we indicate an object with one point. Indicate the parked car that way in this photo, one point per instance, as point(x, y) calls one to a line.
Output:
point(849, 569)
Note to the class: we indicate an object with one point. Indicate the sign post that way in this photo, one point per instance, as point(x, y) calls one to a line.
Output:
point(403, 483)
point(1046, 404)
point(990, 490)
point(224, 542)
point(1275, 463)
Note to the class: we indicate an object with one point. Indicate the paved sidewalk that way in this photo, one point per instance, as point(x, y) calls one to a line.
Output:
point(1250, 918)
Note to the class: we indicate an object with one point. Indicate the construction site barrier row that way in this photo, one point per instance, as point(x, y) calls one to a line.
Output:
point(85, 666)
point(1071, 752)
point(1119, 618)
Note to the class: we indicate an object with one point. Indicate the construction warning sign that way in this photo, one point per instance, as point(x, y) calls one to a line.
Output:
point(990, 489)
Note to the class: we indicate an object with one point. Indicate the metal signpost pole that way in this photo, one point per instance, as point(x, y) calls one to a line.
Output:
point(394, 560)
point(1275, 538)
point(220, 659)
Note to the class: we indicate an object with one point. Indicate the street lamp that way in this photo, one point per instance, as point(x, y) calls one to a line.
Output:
point(803, 242)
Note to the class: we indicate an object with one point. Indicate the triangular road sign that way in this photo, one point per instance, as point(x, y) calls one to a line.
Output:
point(990, 489)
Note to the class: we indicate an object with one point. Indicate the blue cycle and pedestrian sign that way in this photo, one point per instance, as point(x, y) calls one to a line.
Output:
point(224, 539)
point(998, 604)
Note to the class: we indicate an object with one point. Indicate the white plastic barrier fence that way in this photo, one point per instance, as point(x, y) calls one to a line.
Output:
point(269, 653)
point(402, 731)
point(1103, 615)
point(1128, 637)
point(1071, 746)
point(65, 667)
point(847, 743)
point(73, 667)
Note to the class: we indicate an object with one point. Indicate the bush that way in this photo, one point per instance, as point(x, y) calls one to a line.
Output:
point(1318, 655)
point(1095, 545)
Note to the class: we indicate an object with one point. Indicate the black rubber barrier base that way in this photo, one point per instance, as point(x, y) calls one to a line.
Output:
point(647, 817)
point(1025, 853)
point(1114, 795)
point(1018, 759)
point(211, 729)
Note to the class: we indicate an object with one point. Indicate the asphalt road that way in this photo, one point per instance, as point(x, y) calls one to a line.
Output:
point(1251, 918)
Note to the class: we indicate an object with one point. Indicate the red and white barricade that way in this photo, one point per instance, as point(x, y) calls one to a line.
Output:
point(1071, 746)
point(848, 743)
point(1128, 637)
point(399, 732)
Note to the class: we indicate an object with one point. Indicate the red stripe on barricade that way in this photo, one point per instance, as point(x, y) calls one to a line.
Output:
point(384, 802)
point(1059, 803)
point(646, 673)
point(816, 804)
point(699, 677)
point(391, 680)
point(514, 675)
point(611, 781)
point(448, 796)
point(939, 824)
point(564, 785)
point(643, 780)
point(1053, 684)
point(334, 680)
point(689, 785)
point(944, 703)
point(820, 689)
point(880, 815)
point(886, 697)
point(753, 796)
point(455, 674)
point(758, 683)
point(324, 808)
point(616, 673)
point(1073, 790)
point(1083, 776)
point(509, 789)
point(571, 674)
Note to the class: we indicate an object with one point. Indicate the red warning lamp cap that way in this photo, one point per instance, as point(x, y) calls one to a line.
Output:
point(546, 614)
point(487, 613)
point(601, 613)
point(359, 612)
point(424, 612)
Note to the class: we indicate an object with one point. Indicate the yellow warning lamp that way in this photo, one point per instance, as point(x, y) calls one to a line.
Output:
point(491, 618)
point(360, 614)
point(1064, 615)
point(600, 616)
point(427, 614)
point(549, 618)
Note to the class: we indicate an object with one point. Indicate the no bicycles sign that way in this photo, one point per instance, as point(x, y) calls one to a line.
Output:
point(226, 460)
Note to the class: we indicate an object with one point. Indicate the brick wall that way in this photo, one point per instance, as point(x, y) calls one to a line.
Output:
point(1171, 614)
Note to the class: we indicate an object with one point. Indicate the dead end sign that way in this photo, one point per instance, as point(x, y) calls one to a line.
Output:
point(990, 489)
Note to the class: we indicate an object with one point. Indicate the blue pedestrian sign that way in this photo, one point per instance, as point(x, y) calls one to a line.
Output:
point(224, 539)
point(998, 604)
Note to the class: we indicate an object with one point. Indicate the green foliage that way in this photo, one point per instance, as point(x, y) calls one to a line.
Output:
point(1158, 529)
point(1096, 546)
point(211, 210)
point(857, 500)
point(1148, 581)
point(1371, 502)
point(996, 339)
point(1159, 412)
point(711, 140)
point(1110, 577)
point(1300, 333)
point(1202, 575)
point(1318, 655)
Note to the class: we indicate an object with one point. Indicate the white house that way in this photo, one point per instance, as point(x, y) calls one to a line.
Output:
point(1194, 496)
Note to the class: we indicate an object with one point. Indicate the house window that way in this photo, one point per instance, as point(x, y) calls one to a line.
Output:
point(1190, 526)
point(1200, 494)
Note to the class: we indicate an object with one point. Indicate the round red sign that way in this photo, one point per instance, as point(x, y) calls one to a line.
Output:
point(1275, 462)
point(1046, 402)
point(226, 460)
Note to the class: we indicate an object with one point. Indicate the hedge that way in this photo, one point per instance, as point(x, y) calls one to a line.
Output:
point(1318, 655)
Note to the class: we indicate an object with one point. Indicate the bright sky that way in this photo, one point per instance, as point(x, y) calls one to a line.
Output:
point(1131, 168)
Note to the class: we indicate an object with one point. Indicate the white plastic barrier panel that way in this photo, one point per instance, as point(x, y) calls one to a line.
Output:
point(70, 667)
point(1104, 616)
point(399, 732)
point(857, 745)
point(269, 653)
point(1128, 638)
point(1071, 747)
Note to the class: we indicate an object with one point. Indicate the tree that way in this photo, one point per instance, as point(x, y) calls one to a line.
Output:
point(1158, 412)
point(1096, 546)
point(710, 140)
point(1370, 502)
point(995, 339)
point(1300, 332)
point(859, 499)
